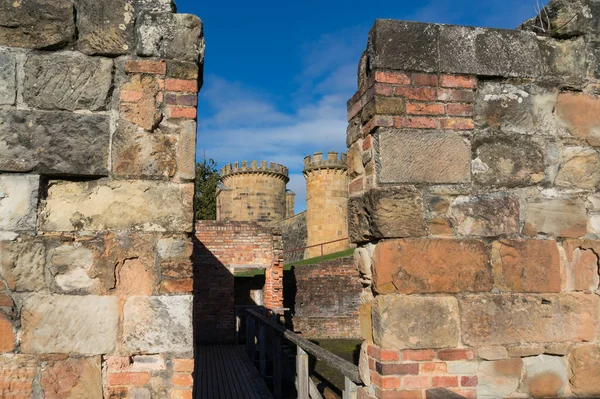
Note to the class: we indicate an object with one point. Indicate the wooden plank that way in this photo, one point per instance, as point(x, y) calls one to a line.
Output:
point(302, 375)
point(262, 351)
point(277, 366)
point(442, 393)
point(313, 390)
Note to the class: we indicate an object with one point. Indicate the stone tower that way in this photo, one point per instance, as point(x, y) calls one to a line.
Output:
point(326, 202)
point(252, 193)
point(290, 203)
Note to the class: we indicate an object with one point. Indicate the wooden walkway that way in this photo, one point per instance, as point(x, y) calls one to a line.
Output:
point(226, 372)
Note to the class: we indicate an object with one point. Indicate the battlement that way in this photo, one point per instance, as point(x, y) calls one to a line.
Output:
point(333, 160)
point(272, 168)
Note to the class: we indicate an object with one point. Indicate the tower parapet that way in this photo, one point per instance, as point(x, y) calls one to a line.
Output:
point(333, 160)
point(270, 168)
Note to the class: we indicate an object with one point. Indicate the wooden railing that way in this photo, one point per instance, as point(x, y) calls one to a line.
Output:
point(267, 334)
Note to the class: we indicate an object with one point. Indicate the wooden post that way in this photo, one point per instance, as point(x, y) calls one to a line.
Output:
point(277, 365)
point(350, 389)
point(250, 334)
point(262, 349)
point(302, 375)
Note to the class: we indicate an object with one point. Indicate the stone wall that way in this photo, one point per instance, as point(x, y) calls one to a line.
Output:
point(97, 154)
point(219, 249)
point(324, 298)
point(293, 231)
point(473, 158)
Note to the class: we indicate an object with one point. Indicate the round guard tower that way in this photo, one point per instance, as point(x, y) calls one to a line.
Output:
point(326, 202)
point(252, 193)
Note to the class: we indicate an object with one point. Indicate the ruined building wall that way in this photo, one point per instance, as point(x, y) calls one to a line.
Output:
point(294, 233)
point(474, 166)
point(253, 192)
point(97, 154)
point(326, 202)
point(290, 203)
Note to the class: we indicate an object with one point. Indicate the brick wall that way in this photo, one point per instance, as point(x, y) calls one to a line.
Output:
point(325, 299)
point(97, 168)
point(473, 168)
point(221, 248)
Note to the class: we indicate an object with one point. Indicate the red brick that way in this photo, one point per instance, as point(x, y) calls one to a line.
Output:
point(469, 381)
point(414, 382)
point(354, 109)
point(181, 394)
point(390, 382)
point(445, 381)
point(416, 122)
point(456, 354)
point(466, 82)
point(457, 124)
point(181, 85)
point(378, 121)
point(397, 368)
point(384, 89)
point(459, 109)
point(183, 380)
point(456, 95)
point(392, 77)
point(183, 365)
point(425, 108)
point(118, 363)
point(131, 96)
point(190, 100)
point(372, 364)
point(180, 285)
point(425, 79)
point(410, 395)
point(467, 393)
point(432, 368)
point(387, 355)
point(419, 355)
point(180, 112)
point(367, 143)
point(151, 67)
point(416, 93)
point(375, 378)
point(128, 378)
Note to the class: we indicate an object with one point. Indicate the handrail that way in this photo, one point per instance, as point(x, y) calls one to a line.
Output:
point(313, 246)
point(348, 369)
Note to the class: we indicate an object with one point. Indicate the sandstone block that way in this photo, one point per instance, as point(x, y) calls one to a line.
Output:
point(416, 266)
point(18, 201)
point(105, 27)
point(486, 215)
point(507, 160)
point(116, 205)
point(138, 154)
point(492, 353)
point(18, 373)
point(65, 81)
point(561, 217)
point(514, 318)
point(386, 213)
point(73, 378)
point(499, 378)
point(8, 79)
point(417, 156)
point(37, 24)
point(158, 324)
point(22, 265)
point(154, 6)
point(72, 266)
point(584, 370)
point(36, 141)
point(170, 36)
point(186, 159)
point(143, 109)
point(580, 114)
point(7, 335)
point(85, 325)
point(579, 168)
point(545, 376)
point(526, 265)
point(175, 257)
point(422, 323)
point(581, 266)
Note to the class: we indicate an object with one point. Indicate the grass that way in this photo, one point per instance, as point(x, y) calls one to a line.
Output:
point(317, 259)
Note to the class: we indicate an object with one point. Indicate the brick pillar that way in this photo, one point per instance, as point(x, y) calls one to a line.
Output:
point(273, 291)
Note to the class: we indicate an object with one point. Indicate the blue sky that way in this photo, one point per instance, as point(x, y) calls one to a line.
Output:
point(278, 74)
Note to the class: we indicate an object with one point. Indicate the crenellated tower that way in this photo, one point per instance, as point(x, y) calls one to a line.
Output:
point(326, 202)
point(253, 192)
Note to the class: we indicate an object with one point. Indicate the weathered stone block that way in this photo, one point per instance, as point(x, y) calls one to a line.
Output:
point(143, 109)
point(170, 36)
point(544, 376)
point(73, 378)
point(582, 272)
point(486, 215)
point(526, 265)
point(105, 27)
point(8, 79)
point(175, 256)
point(416, 266)
point(584, 370)
point(85, 325)
point(579, 168)
point(18, 201)
point(422, 323)
point(36, 141)
point(39, 24)
point(7, 334)
point(158, 324)
point(139, 154)
point(115, 205)
point(558, 217)
point(186, 158)
point(507, 160)
point(417, 156)
point(515, 318)
point(67, 81)
point(564, 58)
point(22, 265)
point(580, 114)
point(499, 378)
point(386, 213)
point(154, 6)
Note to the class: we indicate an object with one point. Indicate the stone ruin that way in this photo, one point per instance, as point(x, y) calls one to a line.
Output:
point(474, 167)
point(97, 163)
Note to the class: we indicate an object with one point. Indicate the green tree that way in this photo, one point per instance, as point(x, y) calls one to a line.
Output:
point(207, 181)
